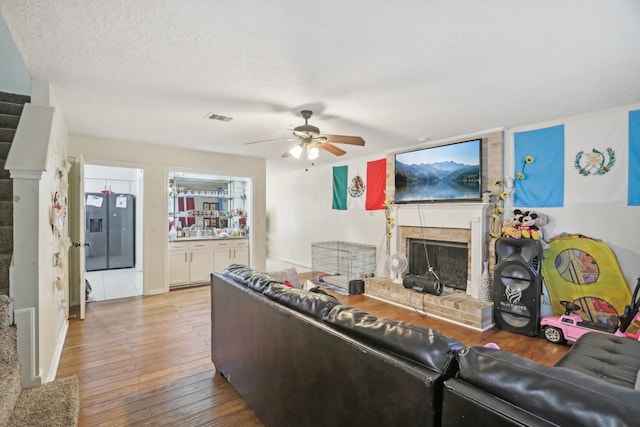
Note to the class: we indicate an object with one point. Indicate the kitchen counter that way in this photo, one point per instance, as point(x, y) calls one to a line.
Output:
point(193, 259)
point(192, 238)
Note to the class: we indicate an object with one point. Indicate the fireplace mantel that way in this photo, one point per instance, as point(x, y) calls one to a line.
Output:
point(469, 216)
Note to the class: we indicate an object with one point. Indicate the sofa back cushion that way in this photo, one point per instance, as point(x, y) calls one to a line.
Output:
point(240, 273)
point(561, 395)
point(309, 303)
point(424, 345)
point(260, 281)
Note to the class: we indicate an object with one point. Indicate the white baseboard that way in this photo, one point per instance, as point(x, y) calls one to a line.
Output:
point(57, 355)
point(278, 260)
point(25, 322)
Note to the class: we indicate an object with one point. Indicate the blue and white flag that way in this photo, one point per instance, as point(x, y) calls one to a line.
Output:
point(592, 160)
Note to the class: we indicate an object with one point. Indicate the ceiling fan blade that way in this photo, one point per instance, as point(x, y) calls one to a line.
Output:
point(270, 140)
point(331, 148)
point(342, 139)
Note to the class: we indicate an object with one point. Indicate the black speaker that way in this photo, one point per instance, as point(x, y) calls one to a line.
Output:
point(426, 284)
point(517, 285)
point(356, 287)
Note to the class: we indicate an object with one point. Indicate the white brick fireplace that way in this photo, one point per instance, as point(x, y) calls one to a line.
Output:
point(437, 219)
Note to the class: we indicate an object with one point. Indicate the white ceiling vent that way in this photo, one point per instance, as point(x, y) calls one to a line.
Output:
point(218, 117)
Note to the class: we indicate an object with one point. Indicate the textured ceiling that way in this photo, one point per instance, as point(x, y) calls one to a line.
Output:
point(391, 72)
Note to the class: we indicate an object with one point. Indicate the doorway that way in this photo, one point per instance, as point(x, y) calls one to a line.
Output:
point(113, 227)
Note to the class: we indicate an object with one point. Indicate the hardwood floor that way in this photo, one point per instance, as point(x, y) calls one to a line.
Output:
point(146, 360)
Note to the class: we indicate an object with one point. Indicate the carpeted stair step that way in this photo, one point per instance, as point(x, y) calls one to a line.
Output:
point(5, 263)
point(9, 365)
point(11, 109)
point(11, 389)
point(14, 98)
point(4, 149)
point(6, 239)
point(6, 213)
point(9, 121)
point(6, 134)
point(6, 190)
point(4, 173)
point(54, 404)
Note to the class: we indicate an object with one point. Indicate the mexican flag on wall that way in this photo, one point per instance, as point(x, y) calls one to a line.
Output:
point(360, 185)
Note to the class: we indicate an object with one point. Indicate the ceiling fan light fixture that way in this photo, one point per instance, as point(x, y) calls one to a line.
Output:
point(296, 151)
point(312, 152)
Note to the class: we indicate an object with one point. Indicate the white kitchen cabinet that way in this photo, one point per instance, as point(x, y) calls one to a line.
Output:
point(190, 262)
point(200, 261)
point(228, 252)
point(97, 185)
point(241, 252)
point(178, 263)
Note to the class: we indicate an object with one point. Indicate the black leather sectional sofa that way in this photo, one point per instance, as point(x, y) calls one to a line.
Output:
point(301, 358)
point(594, 385)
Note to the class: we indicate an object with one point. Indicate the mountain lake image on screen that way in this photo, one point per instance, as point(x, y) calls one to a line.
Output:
point(445, 173)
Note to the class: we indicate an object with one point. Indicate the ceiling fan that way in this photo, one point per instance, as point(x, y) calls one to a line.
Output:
point(310, 139)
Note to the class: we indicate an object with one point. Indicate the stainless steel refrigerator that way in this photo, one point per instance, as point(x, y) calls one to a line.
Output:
point(110, 231)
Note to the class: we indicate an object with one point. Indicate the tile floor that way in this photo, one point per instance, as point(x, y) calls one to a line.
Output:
point(127, 282)
point(111, 284)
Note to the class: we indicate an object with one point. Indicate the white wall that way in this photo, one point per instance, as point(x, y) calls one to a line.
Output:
point(14, 77)
point(113, 173)
point(156, 160)
point(53, 283)
point(299, 213)
point(615, 225)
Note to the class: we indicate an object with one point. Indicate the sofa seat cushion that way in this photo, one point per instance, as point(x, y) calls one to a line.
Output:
point(424, 345)
point(309, 303)
point(610, 358)
point(563, 395)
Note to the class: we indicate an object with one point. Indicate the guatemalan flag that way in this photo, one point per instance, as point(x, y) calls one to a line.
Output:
point(360, 186)
point(592, 160)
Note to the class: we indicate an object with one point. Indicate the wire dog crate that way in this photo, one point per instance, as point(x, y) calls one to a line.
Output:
point(343, 261)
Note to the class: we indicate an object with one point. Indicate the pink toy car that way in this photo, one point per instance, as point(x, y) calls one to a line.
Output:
point(569, 326)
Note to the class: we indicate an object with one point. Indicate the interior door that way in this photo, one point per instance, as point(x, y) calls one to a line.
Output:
point(77, 287)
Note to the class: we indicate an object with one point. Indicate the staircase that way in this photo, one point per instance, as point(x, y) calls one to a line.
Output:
point(10, 110)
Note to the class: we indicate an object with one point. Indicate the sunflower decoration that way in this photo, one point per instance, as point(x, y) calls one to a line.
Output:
point(389, 217)
point(527, 161)
point(497, 212)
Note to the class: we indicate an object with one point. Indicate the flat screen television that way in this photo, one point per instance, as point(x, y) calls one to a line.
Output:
point(446, 173)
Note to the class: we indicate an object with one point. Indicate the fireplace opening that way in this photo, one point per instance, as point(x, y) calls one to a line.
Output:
point(449, 261)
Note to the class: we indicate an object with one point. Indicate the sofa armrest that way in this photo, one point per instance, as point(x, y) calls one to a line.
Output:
point(564, 396)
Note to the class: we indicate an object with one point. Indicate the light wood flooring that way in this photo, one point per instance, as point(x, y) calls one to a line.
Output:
point(146, 360)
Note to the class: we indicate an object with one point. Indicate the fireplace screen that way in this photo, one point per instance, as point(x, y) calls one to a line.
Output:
point(449, 261)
